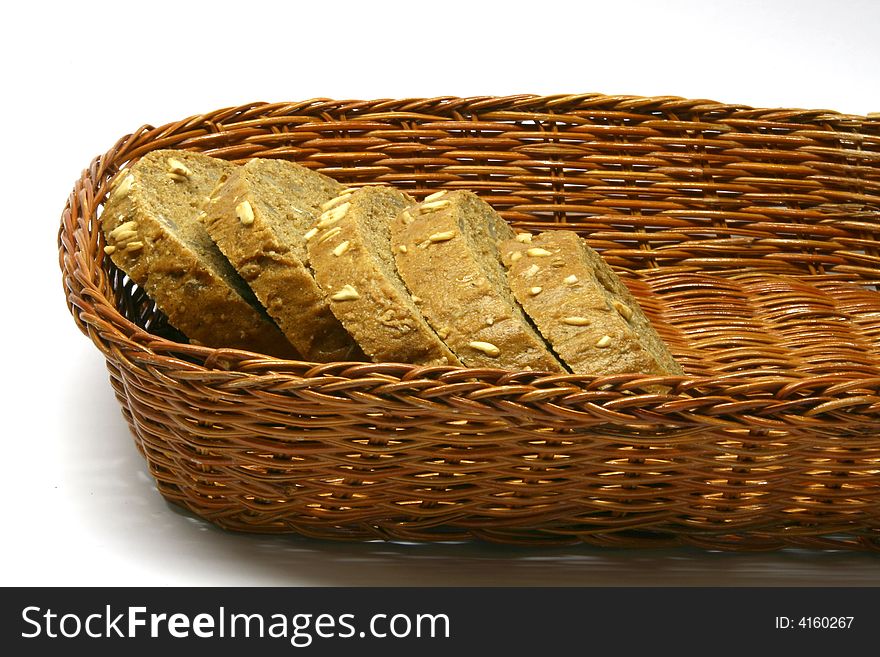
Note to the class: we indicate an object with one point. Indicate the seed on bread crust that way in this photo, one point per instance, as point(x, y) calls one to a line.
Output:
point(341, 248)
point(571, 280)
point(310, 233)
point(134, 246)
point(335, 201)
point(445, 236)
point(576, 321)
point(123, 187)
point(109, 249)
point(124, 236)
point(245, 213)
point(333, 232)
point(125, 227)
point(178, 168)
point(535, 290)
point(624, 310)
point(443, 332)
point(603, 342)
point(330, 217)
point(516, 255)
point(531, 271)
point(347, 293)
point(538, 252)
point(402, 248)
point(406, 217)
point(435, 195)
point(525, 238)
point(431, 206)
point(486, 347)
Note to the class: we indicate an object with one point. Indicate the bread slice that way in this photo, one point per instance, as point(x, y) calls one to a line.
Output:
point(581, 307)
point(445, 250)
point(152, 233)
point(258, 216)
point(350, 253)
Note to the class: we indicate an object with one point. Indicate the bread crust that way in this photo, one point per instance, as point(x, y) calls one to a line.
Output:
point(165, 250)
point(436, 255)
point(582, 308)
point(345, 255)
point(267, 248)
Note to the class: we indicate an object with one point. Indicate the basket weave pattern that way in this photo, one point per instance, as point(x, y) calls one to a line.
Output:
point(751, 237)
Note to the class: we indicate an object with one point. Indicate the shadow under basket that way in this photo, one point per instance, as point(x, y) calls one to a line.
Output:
point(751, 238)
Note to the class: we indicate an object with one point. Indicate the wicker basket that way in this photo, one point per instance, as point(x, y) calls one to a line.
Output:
point(751, 237)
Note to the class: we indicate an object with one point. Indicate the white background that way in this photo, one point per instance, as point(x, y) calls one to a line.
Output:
point(78, 506)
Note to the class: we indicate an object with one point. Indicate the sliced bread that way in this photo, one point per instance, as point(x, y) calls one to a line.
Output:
point(258, 216)
point(446, 253)
point(581, 307)
point(153, 234)
point(350, 254)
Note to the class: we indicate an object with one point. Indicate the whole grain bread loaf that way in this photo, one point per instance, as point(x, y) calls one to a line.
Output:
point(350, 254)
point(259, 216)
point(356, 273)
point(446, 253)
point(152, 233)
point(582, 307)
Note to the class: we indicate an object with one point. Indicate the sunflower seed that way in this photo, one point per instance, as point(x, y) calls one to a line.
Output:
point(330, 217)
point(245, 213)
point(178, 168)
point(624, 310)
point(347, 293)
point(445, 236)
point(124, 185)
point(486, 347)
point(335, 201)
point(433, 205)
point(330, 234)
